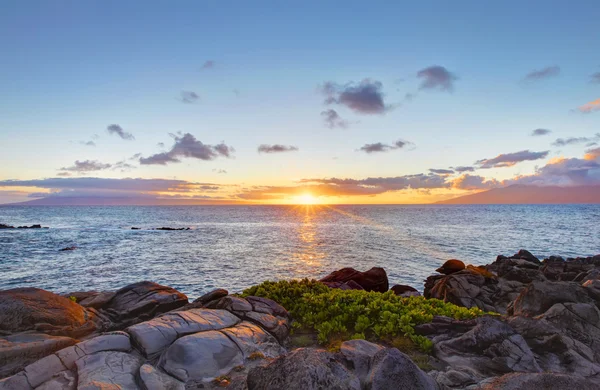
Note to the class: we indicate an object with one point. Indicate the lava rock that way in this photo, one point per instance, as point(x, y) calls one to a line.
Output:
point(374, 279)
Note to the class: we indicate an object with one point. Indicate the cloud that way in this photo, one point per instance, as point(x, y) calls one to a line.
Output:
point(576, 140)
point(63, 174)
point(595, 78)
point(442, 171)
point(86, 166)
point(276, 148)
point(186, 145)
point(333, 119)
point(160, 144)
point(118, 130)
point(123, 166)
point(590, 107)
point(208, 65)
point(592, 154)
point(562, 172)
point(381, 147)
point(88, 143)
point(365, 97)
point(545, 73)
point(437, 77)
point(511, 159)
point(220, 171)
point(539, 132)
point(189, 97)
point(474, 182)
point(464, 169)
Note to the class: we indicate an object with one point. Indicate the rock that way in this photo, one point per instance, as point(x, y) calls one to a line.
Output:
point(154, 379)
point(170, 228)
point(64, 380)
point(451, 266)
point(349, 285)
point(374, 279)
point(69, 248)
point(135, 228)
point(405, 291)
point(98, 300)
point(464, 288)
point(19, 350)
point(251, 339)
point(211, 296)
point(15, 382)
point(108, 370)
point(4, 226)
point(153, 336)
point(230, 303)
point(391, 369)
point(358, 355)
point(141, 301)
point(527, 256)
point(303, 368)
point(202, 356)
point(25, 309)
point(547, 380)
point(538, 297)
point(276, 326)
point(43, 370)
point(266, 305)
point(114, 341)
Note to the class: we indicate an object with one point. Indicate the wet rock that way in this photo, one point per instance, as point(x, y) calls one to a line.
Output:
point(69, 248)
point(108, 370)
point(170, 228)
point(547, 380)
point(451, 266)
point(142, 301)
point(4, 226)
point(391, 369)
point(303, 368)
point(153, 336)
point(33, 309)
point(374, 279)
point(19, 350)
point(538, 297)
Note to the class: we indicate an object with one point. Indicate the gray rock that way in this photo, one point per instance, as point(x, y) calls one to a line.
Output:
point(15, 382)
point(108, 370)
point(64, 380)
point(538, 297)
point(153, 336)
point(519, 381)
point(306, 369)
point(358, 355)
point(211, 296)
point(275, 325)
point(114, 341)
point(235, 305)
point(253, 339)
point(19, 350)
point(391, 369)
point(266, 305)
point(154, 379)
point(42, 370)
point(201, 356)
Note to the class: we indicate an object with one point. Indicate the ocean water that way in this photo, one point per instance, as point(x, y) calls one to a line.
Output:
point(234, 247)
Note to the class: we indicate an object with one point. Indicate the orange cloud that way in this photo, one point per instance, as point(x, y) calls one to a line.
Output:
point(590, 107)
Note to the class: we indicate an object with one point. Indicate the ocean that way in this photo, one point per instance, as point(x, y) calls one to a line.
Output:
point(234, 247)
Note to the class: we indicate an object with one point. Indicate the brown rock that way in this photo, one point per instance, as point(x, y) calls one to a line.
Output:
point(400, 289)
point(451, 266)
point(374, 279)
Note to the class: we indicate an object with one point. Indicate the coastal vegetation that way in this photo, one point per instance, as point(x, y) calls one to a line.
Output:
point(338, 315)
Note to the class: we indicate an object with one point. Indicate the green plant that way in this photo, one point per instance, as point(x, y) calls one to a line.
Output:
point(344, 314)
point(72, 298)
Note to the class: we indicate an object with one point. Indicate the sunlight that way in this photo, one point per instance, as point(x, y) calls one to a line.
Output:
point(306, 199)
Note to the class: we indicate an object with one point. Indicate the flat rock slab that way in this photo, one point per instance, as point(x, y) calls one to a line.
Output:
point(250, 339)
point(108, 370)
point(153, 336)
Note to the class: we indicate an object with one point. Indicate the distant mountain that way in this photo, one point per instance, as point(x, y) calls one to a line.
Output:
point(522, 194)
point(117, 201)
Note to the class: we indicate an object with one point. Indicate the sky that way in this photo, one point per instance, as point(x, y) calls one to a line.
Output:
point(286, 102)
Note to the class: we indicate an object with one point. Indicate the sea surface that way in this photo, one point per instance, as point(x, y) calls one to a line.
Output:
point(234, 247)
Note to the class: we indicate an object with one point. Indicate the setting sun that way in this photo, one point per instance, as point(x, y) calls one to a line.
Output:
point(306, 199)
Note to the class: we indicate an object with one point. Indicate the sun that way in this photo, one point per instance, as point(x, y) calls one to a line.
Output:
point(306, 199)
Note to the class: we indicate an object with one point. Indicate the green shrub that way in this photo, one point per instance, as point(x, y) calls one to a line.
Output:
point(350, 314)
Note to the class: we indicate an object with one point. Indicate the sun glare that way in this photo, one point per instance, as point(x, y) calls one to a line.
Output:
point(306, 199)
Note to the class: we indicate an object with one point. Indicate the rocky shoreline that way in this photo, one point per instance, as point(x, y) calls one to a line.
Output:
point(543, 332)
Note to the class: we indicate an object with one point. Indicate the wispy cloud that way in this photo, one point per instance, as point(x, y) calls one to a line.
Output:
point(186, 145)
point(464, 169)
point(118, 130)
point(366, 97)
point(276, 148)
point(189, 97)
point(209, 64)
point(381, 147)
point(220, 171)
point(544, 73)
point(576, 140)
point(595, 78)
point(511, 159)
point(86, 166)
point(590, 107)
point(87, 143)
point(333, 119)
point(540, 132)
point(442, 171)
point(437, 77)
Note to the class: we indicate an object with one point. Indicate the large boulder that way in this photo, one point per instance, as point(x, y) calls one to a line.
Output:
point(539, 296)
point(303, 368)
point(468, 288)
point(391, 369)
point(374, 279)
point(33, 309)
point(451, 266)
point(358, 355)
point(108, 370)
point(142, 301)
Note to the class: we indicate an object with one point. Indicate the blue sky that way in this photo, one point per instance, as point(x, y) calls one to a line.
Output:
point(71, 68)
